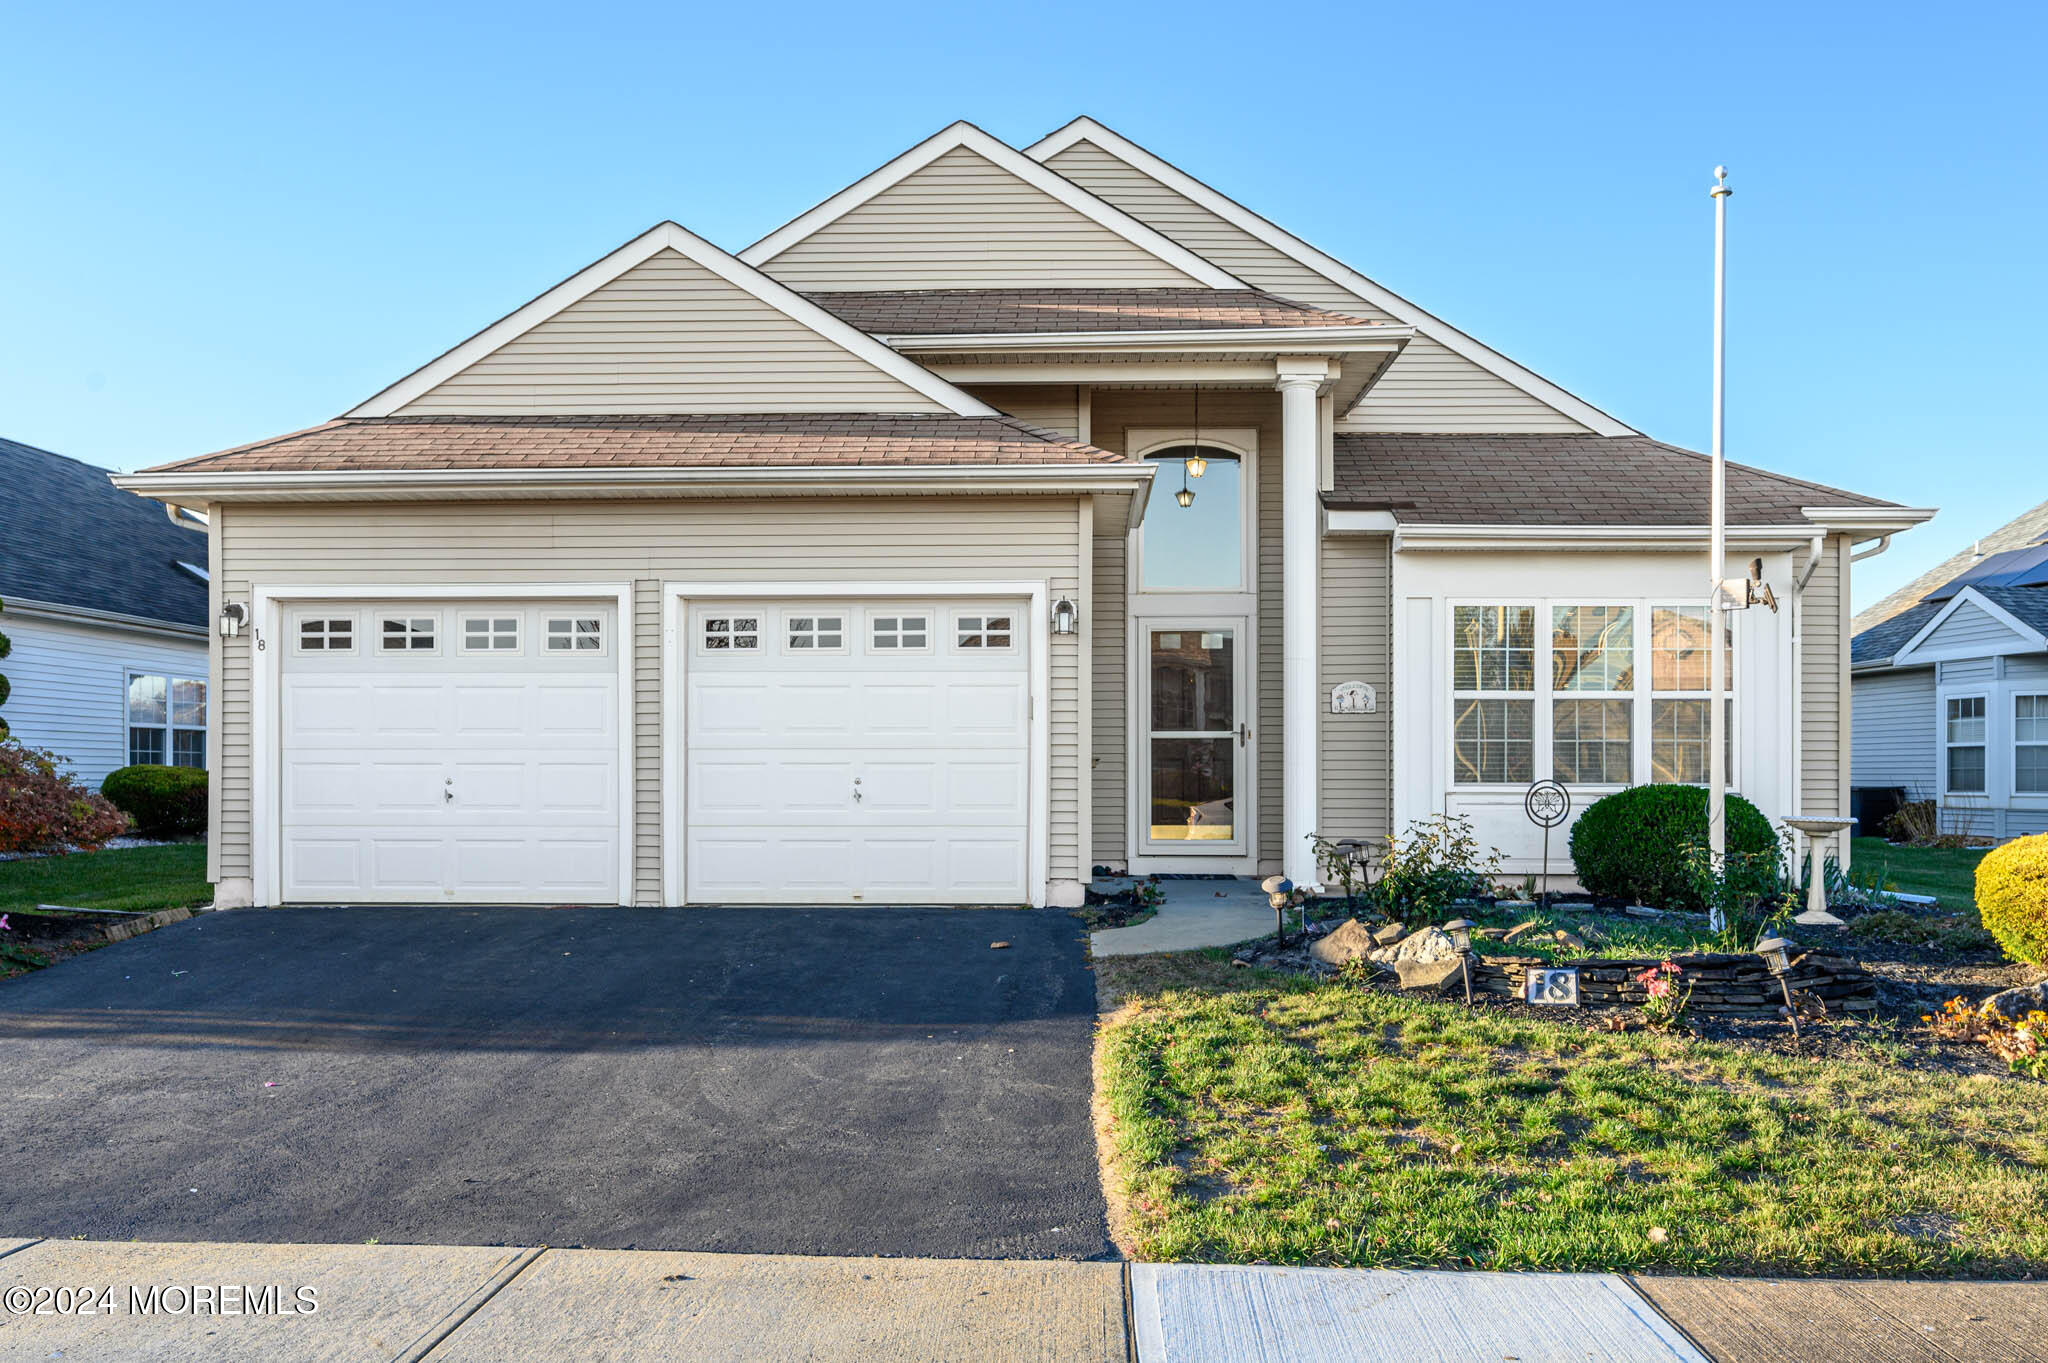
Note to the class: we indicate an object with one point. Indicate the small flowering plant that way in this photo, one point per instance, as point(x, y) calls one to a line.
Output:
point(2022, 1045)
point(1664, 1002)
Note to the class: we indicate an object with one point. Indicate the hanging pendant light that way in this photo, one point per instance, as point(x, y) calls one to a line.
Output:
point(1186, 495)
point(1196, 464)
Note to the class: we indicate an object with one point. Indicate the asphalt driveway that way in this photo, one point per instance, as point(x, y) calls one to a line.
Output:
point(799, 1081)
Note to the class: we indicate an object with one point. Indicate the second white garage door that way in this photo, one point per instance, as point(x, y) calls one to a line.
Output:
point(870, 752)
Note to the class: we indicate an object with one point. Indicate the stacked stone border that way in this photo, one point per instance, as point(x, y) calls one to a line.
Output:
point(1723, 985)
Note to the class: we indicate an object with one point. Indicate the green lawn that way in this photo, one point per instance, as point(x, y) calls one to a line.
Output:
point(134, 878)
point(1280, 1121)
point(1949, 874)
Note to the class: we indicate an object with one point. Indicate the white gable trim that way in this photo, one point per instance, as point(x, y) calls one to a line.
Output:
point(2028, 639)
point(669, 236)
point(964, 134)
point(1086, 129)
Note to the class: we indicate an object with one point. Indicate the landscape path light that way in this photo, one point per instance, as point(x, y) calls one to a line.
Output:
point(1777, 954)
point(1460, 930)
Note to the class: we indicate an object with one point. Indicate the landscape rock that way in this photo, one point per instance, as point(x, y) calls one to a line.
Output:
point(1349, 942)
point(1431, 975)
point(1520, 930)
point(1491, 934)
point(1390, 934)
point(1643, 911)
point(1571, 940)
point(1425, 944)
point(2015, 1004)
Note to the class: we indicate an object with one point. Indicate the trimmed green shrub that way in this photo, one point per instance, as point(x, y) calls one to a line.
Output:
point(43, 809)
point(165, 802)
point(1633, 844)
point(2012, 897)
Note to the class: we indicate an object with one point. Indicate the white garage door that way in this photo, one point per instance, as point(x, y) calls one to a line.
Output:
point(865, 752)
point(450, 752)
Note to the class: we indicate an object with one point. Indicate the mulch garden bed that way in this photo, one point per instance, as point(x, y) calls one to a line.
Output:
point(37, 938)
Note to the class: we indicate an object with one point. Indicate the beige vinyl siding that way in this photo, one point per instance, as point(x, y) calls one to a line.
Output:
point(1055, 406)
point(668, 335)
point(1823, 663)
point(1356, 751)
point(1109, 628)
point(1009, 539)
point(1429, 388)
point(963, 222)
point(1115, 411)
point(1895, 729)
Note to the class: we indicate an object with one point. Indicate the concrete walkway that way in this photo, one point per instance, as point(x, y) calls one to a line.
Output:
point(85, 1301)
point(1197, 913)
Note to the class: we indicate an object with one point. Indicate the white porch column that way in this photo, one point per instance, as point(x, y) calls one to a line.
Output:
point(1301, 382)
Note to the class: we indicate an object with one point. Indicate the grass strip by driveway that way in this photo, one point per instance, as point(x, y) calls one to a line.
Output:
point(1947, 873)
point(1276, 1121)
point(136, 878)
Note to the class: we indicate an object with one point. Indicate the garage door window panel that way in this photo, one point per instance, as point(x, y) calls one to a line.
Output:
point(806, 633)
point(576, 634)
point(906, 633)
point(983, 633)
point(409, 634)
point(490, 634)
point(723, 633)
point(327, 634)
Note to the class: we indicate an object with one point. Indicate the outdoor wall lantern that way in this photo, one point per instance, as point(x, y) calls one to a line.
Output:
point(1460, 930)
point(1066, 616)
point(232, 617)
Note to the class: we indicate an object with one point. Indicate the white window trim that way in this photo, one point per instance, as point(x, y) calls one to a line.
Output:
point(848, 622)
point(439, 625)
point(1242, 441)
point(169, 727)
point(268, 606)
point(605, 629)
point(1035, 624)
point(487, 650)
point(355, 632)
point(984, 649)
point(932, 625)
point(1946, 744)
point(2023, 798)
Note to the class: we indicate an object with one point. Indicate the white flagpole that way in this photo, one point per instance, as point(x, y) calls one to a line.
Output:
point(1717, 557)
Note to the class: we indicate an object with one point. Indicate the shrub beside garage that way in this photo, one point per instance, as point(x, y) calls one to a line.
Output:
point(1633, 844)
point(164, 802)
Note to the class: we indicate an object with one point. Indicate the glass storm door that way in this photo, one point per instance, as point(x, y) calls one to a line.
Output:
point(1196, 740)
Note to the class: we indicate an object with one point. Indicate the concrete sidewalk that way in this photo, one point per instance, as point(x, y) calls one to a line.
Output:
point(1195, 914)
point(84, 1301)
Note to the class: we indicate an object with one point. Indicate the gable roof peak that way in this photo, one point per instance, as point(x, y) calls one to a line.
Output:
point(961, 134)
point(669, 235)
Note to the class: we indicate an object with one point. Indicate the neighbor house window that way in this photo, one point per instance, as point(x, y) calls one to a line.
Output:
point(1593, 682)
point(166, 720)
point(1193, 542)
point(1493, 693)
point(1964, 737)
point(897, 632)
point(585, 634)
point(2030, 745)
point(1679, 695)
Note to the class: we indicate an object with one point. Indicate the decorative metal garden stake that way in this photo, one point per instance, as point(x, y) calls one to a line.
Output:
point(1460, 930)
point(1777, 954)
point(1547, 804)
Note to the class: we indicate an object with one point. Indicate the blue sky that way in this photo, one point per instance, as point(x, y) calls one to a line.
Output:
point(227, 222)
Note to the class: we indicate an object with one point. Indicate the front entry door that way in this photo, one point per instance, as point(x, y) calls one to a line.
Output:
point(1192, 801)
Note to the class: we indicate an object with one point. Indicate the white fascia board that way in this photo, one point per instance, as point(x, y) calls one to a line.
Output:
point(2032, 638)
point(498, 483)
point(1359, 522)
point(1086, 129)
point(965, 134)
point(1868, 520)
point(1600, 538)
point(669, 236)
point(86, 615)
point(1251, 340)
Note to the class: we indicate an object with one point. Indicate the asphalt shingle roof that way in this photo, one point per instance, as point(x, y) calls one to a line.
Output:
point(2023, 529)
point(793, 440)
point(74, 539)
point(960, 312)
point(1558, 480)
point(1881, 641)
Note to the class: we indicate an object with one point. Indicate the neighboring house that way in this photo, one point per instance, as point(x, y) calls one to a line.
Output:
point(106, 606)
point(1951, 688)
point(1007, 514)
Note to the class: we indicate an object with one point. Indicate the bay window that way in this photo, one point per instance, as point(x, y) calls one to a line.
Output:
point(1593, 682)
point(1679, 695)
point(166, 720)
point(1493, 681)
